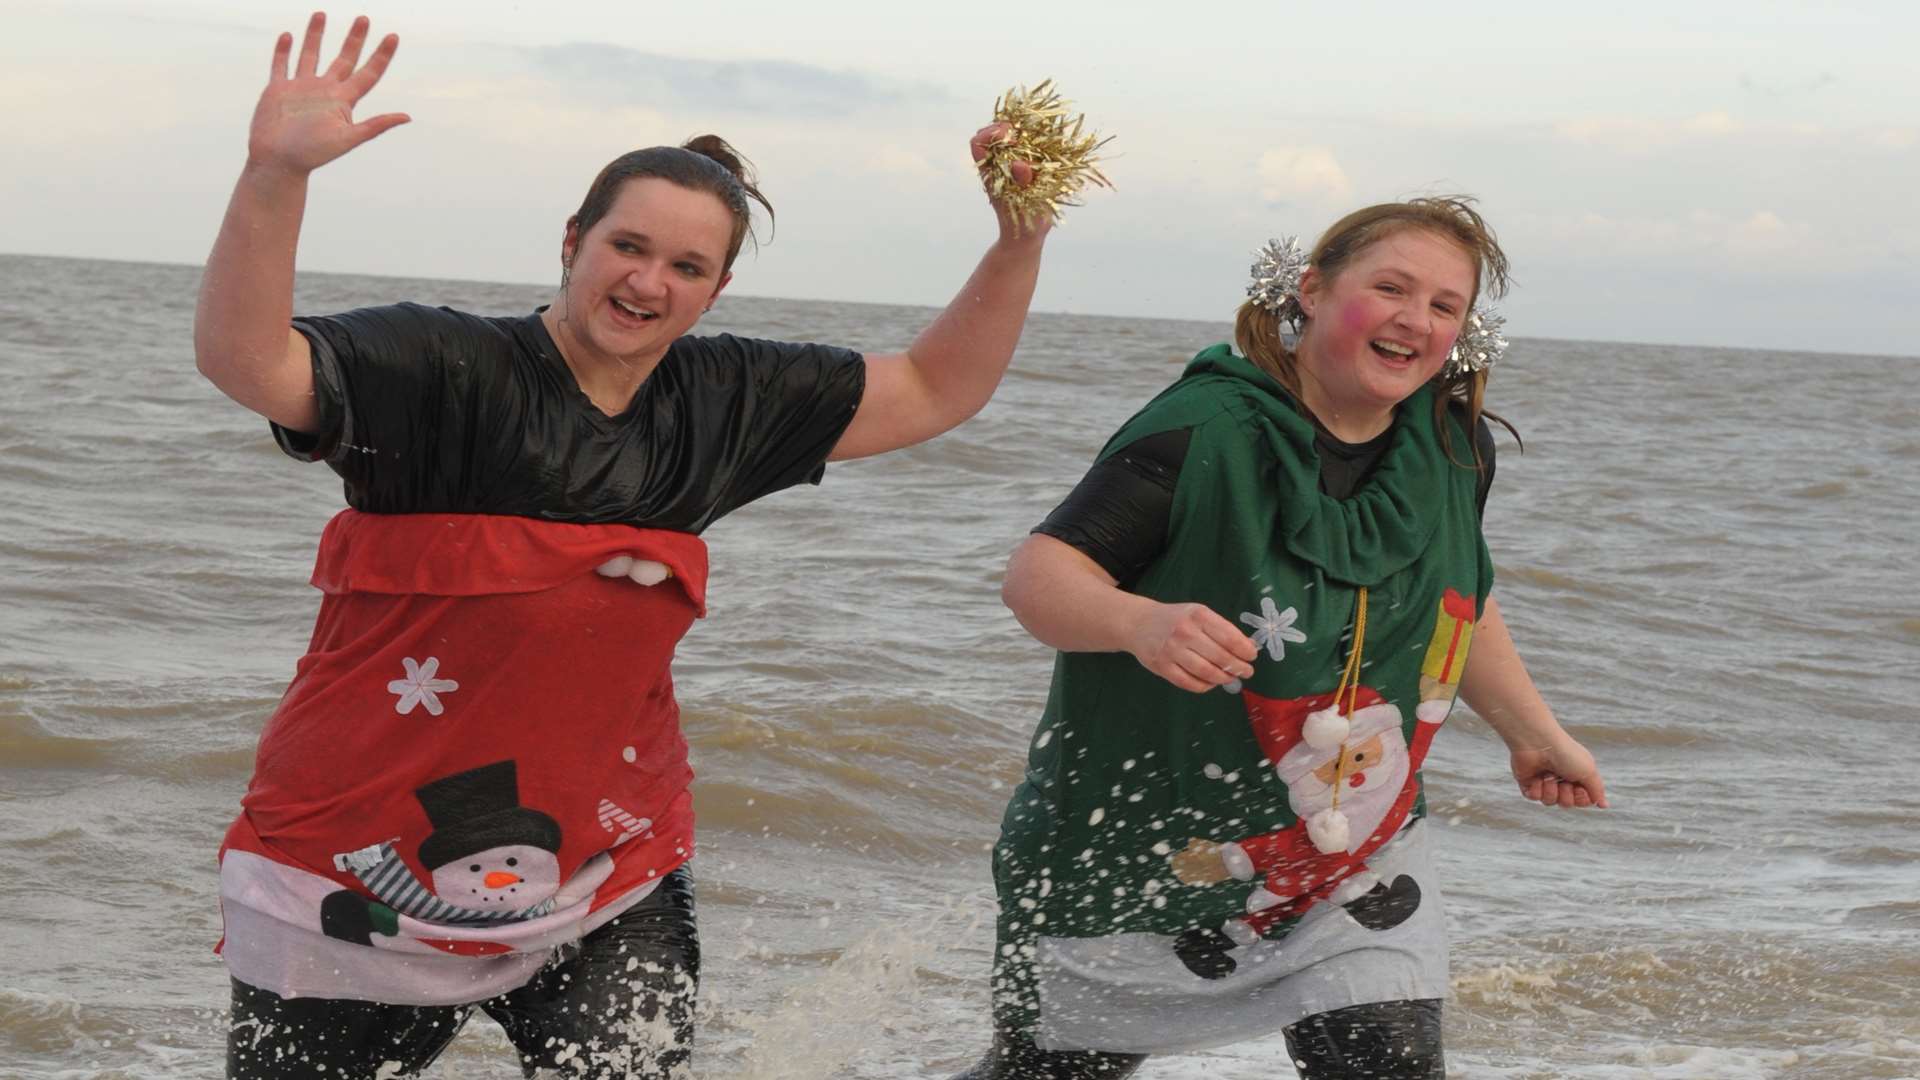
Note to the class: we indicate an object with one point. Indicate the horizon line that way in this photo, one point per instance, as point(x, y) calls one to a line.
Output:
point(749, 295)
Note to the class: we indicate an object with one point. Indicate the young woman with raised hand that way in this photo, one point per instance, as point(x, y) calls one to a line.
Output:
point(1219, 836)
point(475, 791)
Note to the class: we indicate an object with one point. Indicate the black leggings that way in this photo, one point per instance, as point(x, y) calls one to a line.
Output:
point(1390, 1040)
point(591, 1012)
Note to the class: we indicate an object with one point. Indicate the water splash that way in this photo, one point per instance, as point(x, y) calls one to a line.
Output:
point(848, 1008)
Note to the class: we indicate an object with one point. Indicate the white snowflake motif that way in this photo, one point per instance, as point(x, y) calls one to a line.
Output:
point(421, 688)
point(1272, 627)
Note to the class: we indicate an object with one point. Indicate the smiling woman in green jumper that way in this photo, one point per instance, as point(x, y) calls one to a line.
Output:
point(1220, 836)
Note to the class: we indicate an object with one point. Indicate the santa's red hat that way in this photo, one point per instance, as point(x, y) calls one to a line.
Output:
point(1278, 722)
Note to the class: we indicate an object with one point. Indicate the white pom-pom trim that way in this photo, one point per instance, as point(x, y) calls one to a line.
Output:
point(1328, 830)
point(648, 572)
point(1238, 862)
point(1260, 899)
point(1239, 932)
point(639, 571)
point(1326, 729)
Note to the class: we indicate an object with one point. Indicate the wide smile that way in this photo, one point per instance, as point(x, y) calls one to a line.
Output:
point(1393, 352)
point(629, 314)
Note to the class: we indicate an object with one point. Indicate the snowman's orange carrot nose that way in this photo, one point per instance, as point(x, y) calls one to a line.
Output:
point(500, 879)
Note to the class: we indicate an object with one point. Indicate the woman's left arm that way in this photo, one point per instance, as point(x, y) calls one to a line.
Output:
point(1551, 767)
point(954, 365)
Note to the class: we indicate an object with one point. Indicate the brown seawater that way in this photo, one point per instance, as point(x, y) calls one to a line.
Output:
point(1706, 554)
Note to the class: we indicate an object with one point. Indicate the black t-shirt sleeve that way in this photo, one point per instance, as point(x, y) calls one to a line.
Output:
point(407, 395)
point(378, 380)
point(1119, 513)
point(778, 407)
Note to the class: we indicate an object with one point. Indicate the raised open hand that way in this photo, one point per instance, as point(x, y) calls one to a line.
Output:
point(305, 118)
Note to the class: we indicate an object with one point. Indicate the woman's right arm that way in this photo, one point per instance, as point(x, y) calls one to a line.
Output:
point(242, 338)
point(1068, 601)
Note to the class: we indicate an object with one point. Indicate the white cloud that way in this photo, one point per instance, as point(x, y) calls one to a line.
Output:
point(604, 72)
point(1635, 135)
point(45, 105)
point(1702, 239)
point(1621, 133)
point(526, 125)
point(1303, 174)
point(1765, 235)
point(480, 89)
point(1714, 123)
point(898, 161)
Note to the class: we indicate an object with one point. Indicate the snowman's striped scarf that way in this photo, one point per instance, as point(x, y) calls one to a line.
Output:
point(386, 875)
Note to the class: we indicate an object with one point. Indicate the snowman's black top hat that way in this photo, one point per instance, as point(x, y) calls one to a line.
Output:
point(480, 809)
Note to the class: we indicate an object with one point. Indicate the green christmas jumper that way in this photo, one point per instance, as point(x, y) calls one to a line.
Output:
point(1312, 806)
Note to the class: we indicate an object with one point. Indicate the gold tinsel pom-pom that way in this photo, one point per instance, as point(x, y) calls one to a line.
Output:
point(1043, 134)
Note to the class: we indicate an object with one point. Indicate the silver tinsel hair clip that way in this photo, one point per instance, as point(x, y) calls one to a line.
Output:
point(1276, 279)
point(1480, 344)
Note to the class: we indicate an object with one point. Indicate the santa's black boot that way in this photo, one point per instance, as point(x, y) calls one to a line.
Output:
point(1204, 951)
point(1384, 906)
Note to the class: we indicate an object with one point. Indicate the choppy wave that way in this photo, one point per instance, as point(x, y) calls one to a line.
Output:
point(25, 744)
point(1698, 1003)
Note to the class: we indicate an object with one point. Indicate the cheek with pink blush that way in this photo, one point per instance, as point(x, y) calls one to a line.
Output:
point(1355, 318)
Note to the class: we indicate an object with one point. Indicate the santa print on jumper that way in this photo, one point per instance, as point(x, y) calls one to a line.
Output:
point(1318, 751)
point(492, 861)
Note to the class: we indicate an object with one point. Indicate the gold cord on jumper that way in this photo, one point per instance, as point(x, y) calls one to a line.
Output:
point(1347, 694)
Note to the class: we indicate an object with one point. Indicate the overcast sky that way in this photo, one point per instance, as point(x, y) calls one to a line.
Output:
point(1741, 174)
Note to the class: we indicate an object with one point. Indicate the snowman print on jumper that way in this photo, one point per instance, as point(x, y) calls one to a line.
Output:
point(492, 861)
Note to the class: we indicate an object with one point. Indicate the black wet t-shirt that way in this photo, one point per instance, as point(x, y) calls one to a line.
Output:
point(429, 410)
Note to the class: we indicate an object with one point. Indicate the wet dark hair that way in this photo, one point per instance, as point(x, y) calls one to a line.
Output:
point(703, 163)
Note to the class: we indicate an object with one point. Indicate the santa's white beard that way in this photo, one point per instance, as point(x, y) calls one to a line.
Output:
point(1365, 807)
